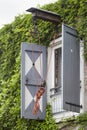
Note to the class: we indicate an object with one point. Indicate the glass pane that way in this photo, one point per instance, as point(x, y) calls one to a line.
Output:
point(57, 69)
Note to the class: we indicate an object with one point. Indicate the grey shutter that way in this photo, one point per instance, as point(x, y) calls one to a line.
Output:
point(31, 79)
point(71, 69)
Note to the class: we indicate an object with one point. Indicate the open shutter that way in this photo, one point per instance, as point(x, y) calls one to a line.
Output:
point(33, 71)
point(71, 69)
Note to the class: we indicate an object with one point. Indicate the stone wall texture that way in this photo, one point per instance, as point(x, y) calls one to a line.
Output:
point(85, 85)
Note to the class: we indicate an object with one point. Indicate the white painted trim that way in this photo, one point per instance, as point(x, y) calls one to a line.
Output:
point(82, 76)
point(62, 62)
point(56, 42)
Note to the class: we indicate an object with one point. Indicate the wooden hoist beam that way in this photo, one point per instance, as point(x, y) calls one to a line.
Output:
point(45, 15)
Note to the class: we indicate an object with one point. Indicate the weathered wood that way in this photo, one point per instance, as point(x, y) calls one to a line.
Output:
point(45, 15)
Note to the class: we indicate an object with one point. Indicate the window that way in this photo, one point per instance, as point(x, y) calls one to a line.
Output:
point(57, 69)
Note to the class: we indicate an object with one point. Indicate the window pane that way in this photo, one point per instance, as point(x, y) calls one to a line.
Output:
point(57, 68)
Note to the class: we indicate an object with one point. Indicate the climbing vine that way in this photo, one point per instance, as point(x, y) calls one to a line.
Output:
point(73, 13)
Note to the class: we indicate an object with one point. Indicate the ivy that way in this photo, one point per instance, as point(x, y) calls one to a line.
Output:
point(73, 13)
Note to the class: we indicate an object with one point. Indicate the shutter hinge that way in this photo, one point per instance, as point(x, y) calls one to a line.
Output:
point(72, 104)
